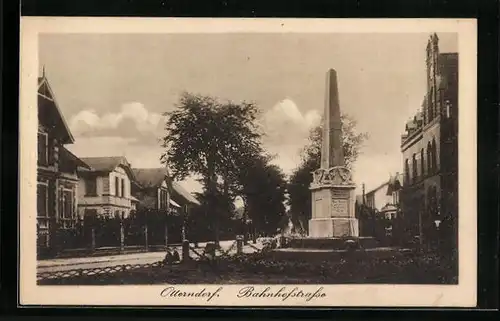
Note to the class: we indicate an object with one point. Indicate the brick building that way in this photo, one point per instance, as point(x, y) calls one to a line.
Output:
point(429, 197)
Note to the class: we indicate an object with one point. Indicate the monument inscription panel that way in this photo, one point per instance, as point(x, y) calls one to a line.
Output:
point(340, 207)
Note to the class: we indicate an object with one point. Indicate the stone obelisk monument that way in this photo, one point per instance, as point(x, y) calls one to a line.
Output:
point(333, 191)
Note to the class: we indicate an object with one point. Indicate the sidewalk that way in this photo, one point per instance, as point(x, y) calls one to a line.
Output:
point(61, 264)
point(99, 259)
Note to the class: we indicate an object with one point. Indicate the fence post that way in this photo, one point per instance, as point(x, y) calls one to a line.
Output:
point(122, 236)
point(185, 251)
point(146, 244)
point(239, 244)
point(92, 239)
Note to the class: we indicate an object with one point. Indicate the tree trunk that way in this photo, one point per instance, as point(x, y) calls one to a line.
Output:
point(212, 187)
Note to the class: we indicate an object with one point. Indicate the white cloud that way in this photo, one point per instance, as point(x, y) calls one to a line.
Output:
point(287, 130)
point(133, 120)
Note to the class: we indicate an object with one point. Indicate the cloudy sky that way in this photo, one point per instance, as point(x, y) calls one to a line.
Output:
point(112, 89)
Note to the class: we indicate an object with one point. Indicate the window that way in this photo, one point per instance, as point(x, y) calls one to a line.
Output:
point(407, 171)
point(429, 158)
point(395, 198)
point(414, 168)
point(43, 149)
point(434, 156)
point(422, 162)
point(123, 188)
point(117, 186)
point(42, 200)
point(165, 198)
point(66, 209)
point(91, 186)
point(447, 105)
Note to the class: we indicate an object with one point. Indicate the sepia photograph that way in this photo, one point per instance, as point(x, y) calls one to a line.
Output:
point(238, 162)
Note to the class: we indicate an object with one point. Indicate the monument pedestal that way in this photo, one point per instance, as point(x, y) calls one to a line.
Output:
point(333, 227)
point(333, 208)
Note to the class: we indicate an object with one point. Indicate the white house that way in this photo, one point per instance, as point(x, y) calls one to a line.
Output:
point(385, 194)
point(105, 189)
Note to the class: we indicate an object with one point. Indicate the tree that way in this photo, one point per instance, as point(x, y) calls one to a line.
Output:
point(301, 178)
point(263, 192)
point(211, 139)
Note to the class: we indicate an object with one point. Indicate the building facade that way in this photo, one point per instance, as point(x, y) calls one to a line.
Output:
point(155, 190)
point(105, 188)
point(377, 198)
point(385, 199)
point(151, 189)
point(57, 170)
point(429, 148)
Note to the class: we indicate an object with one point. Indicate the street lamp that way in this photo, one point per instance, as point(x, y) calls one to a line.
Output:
point(437, 222)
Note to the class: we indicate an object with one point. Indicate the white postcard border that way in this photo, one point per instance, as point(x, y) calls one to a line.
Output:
point(462, 295)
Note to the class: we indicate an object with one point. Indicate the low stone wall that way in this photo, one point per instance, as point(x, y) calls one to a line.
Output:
point(312, 255)
point(331, 243)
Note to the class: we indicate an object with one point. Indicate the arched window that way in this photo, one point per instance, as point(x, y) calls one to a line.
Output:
point(407, 172)
point(422, 163)
point(429, 158)
point(414, 167)
point(434, 150)
point(434, 156)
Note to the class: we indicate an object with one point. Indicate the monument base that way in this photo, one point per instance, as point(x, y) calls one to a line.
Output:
point(333, 227)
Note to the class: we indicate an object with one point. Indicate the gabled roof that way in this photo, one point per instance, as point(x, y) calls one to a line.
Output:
point(378, 187)
point(185, 194)
point(108, 164)
point(395, 183)
point(71, 157)
point(45, 91)
point(154, 177)
point(150, 177)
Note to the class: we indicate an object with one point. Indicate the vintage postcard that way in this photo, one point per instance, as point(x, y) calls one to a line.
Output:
point(248, 162)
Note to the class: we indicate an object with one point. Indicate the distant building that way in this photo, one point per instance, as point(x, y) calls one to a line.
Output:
point(430, 150)
point(378, 198)
point(57, 172)
point(384, 195)
point(151, 189)
point(154, 190)
point(105, 189)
